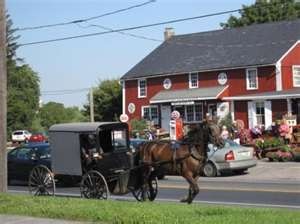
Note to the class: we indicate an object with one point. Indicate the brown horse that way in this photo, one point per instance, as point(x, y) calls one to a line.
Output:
point(185, 158)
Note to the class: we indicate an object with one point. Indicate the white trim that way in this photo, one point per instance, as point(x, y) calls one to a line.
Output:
point(123, 97)
point(289, 106)
point(293, 69)
point(185, 99)
point(190, 80)
point(292, 95)
point(278, 76)
point(200, 71)
point(220, 93)
point(232, 110)
point(139, 90)
point(247, 79)
point(278, 63)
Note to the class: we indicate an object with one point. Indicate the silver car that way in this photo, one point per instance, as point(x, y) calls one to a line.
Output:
point(232, 157)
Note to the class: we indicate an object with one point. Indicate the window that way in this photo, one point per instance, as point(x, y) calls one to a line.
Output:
point(260, 113)
point(142, 88)
point(251, 78)
point(193, 80)
point(190, 113)
point(150, 113)
point(296, 75)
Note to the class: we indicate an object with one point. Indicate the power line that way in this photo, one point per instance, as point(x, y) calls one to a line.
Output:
point(130, 28)
point(86, 19)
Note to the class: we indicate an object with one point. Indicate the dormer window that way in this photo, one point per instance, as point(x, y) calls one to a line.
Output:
point(251, 78)
point(193, 80)
point(142, 88)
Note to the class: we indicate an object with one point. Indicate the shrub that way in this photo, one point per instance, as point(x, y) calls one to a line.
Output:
point(138, 126)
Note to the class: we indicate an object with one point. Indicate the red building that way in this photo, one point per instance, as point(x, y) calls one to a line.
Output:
point(251, 72)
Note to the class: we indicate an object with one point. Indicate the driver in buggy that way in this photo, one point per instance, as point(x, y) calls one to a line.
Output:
point(88, 149)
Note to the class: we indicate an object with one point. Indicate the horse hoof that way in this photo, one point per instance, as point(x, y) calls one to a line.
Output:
point(184, 200)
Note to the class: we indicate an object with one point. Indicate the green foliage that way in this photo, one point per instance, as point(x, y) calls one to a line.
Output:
point(128, 212)
point(263, 11)
point(269, 143)
point(107, 101)
point(138, 126)
point(227, 121)
point(54, 113)
point(23, 96)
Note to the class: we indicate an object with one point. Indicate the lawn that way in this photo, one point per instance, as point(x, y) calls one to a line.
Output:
point(133, 212)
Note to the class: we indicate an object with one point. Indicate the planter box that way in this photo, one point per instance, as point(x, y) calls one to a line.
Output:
point(296, 154)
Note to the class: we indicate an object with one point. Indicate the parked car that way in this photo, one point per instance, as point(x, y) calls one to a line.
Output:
point(21, 160)
point(134, 143)
point(20, 136)
point(38, 137)
point(232, 157)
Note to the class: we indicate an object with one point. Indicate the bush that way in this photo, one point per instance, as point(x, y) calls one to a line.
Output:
point(138, 126)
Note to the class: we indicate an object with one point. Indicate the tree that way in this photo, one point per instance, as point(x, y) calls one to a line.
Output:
point(23, 97)
point(107, 101)
point(22, 86)
point(54, 113)
point(263, 11)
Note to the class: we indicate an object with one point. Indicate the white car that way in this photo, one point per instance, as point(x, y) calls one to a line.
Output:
point(20, 136)
point(232, 157)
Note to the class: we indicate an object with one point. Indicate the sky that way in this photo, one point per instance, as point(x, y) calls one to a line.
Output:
point(82, 63)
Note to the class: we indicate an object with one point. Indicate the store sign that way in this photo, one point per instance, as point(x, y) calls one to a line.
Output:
point(222, 78)
point(183, 103)
point(124, 118)
point(131, 108)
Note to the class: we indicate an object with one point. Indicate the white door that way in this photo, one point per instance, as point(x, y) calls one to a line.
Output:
point(165, 112)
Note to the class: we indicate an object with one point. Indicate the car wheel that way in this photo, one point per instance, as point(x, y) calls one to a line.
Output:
point(210, 170)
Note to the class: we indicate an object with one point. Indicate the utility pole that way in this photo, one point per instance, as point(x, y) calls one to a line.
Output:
point(3, 94)
point(92, 105)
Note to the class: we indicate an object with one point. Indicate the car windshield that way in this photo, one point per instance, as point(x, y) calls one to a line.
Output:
point(43, 152)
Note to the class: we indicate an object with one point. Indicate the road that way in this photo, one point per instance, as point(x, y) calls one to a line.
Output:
point(214, 191)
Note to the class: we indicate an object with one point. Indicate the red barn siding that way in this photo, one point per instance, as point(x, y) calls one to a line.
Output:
point(241, 111)
point(279, 108)
point(292, 58)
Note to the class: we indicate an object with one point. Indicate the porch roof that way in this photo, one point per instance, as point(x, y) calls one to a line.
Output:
point(185, 95)
point(283, 94)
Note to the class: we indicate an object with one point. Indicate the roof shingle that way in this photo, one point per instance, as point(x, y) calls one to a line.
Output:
point(259, 44)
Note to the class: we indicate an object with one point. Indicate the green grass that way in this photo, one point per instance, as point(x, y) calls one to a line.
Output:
point(134, 212)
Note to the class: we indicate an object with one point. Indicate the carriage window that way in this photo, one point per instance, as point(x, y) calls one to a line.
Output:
point(119, 139)
point(105, 141)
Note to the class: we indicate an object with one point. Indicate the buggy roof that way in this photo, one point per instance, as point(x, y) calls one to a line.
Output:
point(85, 126)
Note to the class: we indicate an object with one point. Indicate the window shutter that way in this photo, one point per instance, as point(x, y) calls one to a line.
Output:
point(251, 114)
point(268, 114)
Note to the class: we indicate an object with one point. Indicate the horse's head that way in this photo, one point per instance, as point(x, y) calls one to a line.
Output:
point(214, 135)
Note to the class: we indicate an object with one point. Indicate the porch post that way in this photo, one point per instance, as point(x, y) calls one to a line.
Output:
point(289, 106)
point(232, 109)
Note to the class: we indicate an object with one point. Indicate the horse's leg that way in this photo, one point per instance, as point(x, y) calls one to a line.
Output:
point(193, 188)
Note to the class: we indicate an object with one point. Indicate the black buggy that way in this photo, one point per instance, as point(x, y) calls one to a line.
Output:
point(99, 154)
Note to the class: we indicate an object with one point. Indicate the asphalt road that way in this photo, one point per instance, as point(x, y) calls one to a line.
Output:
point(266, 185)
point(282, 195)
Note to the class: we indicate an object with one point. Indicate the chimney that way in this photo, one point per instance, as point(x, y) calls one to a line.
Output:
point(169, 32)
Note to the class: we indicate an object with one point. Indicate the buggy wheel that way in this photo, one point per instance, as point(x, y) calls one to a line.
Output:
point(149, 193)
point(41, 181)
point(93, 186)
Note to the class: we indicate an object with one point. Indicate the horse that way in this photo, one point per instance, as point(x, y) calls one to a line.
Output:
point(184, 158)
